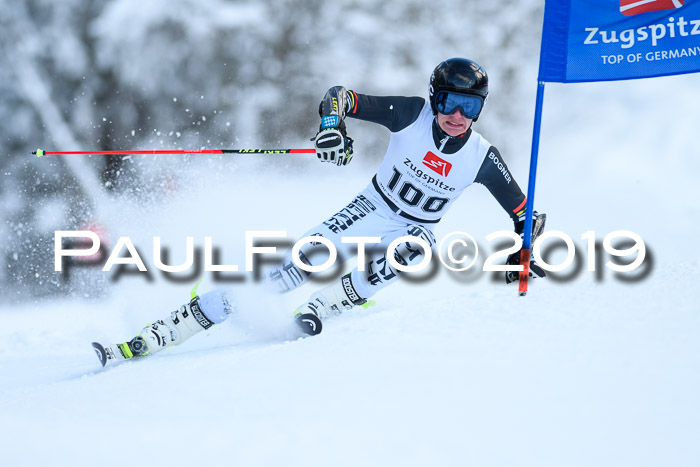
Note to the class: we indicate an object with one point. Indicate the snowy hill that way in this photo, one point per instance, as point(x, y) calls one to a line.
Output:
point(591, 368)
point(456, 370)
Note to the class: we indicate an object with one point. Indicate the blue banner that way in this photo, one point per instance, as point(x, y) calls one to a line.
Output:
point(602, 40)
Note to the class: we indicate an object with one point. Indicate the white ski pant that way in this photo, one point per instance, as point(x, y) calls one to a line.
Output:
point(367, 215)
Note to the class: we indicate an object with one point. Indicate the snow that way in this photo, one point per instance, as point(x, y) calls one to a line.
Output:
point(474, 376)
point(454, 370)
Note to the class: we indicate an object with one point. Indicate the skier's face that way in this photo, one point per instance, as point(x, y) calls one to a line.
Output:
point(454, 124)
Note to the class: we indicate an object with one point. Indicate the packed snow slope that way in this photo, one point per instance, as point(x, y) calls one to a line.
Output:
point(456, 369)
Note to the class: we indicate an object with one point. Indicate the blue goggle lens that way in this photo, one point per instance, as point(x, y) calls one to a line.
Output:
point(470, 106)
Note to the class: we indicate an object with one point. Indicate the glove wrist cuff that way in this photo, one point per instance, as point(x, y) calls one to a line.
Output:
point(330, 121)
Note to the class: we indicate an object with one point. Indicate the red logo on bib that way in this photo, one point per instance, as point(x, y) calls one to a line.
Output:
point(436, 164)
point(635, 7)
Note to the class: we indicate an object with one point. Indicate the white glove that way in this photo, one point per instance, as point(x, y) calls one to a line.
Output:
point(334, 146)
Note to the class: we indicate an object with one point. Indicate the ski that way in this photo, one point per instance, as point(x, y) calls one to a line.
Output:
point(110, 355)
point(309, 323)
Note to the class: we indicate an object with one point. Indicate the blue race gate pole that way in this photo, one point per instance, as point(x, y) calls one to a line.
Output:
point(527, 234)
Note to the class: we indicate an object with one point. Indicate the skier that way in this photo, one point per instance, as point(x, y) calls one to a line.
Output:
point(432, 157)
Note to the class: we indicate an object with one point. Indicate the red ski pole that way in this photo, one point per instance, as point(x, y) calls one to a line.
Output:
point(41, 152)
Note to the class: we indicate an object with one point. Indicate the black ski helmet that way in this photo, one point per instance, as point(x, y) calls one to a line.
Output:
point(461, 76)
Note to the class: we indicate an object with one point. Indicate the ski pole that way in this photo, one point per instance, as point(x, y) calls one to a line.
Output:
point(41, 152)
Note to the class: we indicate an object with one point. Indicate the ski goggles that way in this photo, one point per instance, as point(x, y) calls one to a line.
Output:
point(470, 105)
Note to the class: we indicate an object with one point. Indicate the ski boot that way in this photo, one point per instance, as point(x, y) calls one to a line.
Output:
point(329, 301)
point(173, 330)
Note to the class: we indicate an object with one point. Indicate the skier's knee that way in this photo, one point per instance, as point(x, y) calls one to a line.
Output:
point(216, 305)
point(287, 275)
point(413, 252)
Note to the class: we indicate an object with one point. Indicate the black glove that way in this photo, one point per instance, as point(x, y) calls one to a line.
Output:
point(514, 260)
point(538, 221)
point(333, 144)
